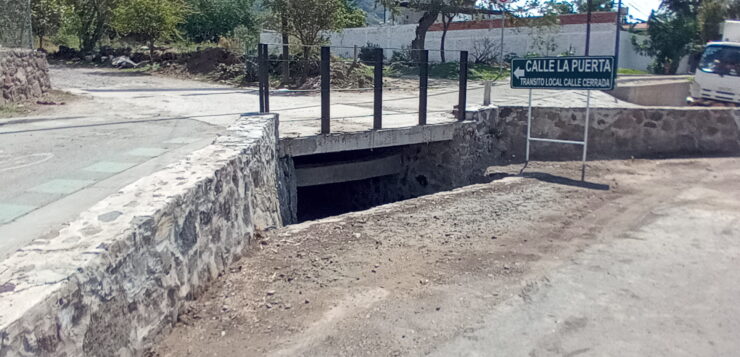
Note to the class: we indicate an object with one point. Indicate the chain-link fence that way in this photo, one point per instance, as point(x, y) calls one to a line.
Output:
point(15, 24)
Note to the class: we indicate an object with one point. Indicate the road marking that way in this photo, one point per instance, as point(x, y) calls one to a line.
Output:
point(183, 140)
point(61, 186)
point(109, 167)
point(9, 212)
point(24, 161)
point(147, 152)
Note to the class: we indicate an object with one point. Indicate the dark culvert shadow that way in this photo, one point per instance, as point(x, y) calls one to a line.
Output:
point(560, 180)
point(119, 74)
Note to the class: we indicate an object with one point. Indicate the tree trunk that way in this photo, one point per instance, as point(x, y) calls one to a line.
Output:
point(41, 41)
point(306, 56)
point(286, 50)
point(445, 27)
point(151, 52)
point(426, 21)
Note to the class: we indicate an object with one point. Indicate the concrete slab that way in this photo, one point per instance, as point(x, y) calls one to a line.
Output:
point(348, 141)
point(348, 171)
point(109, 167)
point(62, 186)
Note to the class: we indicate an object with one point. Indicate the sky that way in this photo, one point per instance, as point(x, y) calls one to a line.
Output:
point(641, 8)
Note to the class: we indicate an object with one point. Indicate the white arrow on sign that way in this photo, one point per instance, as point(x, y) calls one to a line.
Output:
point(519, 73)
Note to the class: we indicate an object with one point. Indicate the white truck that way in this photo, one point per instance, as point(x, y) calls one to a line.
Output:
point(718, 74)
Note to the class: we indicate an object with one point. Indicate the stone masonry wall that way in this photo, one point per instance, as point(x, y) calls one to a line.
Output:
point(616, 133)
point(441, 166)
point(118, 275)
point(25, 75)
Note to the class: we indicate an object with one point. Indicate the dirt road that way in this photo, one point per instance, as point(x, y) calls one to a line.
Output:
point(641, 262)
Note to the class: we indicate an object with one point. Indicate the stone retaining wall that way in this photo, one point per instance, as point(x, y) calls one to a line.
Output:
point(25, 75)
point(117, 276)
point(616, 133)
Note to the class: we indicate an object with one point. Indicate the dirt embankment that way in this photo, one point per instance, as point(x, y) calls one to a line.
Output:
point(401, 279)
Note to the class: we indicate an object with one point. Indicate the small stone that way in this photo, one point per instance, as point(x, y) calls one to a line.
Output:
point(270, 292)
point(223, 333)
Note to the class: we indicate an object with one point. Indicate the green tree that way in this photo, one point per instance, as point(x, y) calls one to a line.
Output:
point(351, 15)
point(596, 5)
point(213, 19)
point(47, 17)
point(430, 9)
point(307, 21)
point(669, 39)
point(90, 20)
point(149, 20)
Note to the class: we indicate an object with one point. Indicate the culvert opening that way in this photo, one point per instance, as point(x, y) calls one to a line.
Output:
point(338, 183)
point(316, 202)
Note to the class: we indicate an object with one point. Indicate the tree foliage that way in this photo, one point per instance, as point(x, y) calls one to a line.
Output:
point(47, 17)
point(90, 20)
point(683, 27)
point(308, 20)
point(669, 39)
point(149, 20)
point(210, 20)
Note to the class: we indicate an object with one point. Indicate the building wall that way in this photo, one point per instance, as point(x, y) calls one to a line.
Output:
point(518, 40)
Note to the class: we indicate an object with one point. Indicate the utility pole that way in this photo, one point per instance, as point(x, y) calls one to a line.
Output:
point(503, 28)
point(588, 28)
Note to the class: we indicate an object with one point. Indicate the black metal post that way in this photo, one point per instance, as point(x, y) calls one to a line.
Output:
point(378, 85)
point(461, 105)
point(260, 77)
point(423, 85)
point(588, 27)
point(325, 90)
point(618, 43)
point(266, 78)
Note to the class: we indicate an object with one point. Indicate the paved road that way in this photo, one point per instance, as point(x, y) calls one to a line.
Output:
point(128, 125)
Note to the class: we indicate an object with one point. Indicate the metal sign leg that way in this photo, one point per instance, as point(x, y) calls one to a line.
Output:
point(529, 124)
point(585, 135)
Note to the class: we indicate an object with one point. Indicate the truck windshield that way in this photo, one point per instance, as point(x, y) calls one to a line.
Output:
point(723, 60)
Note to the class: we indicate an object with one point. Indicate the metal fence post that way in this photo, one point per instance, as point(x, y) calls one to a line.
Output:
point(461, 106)
point(325, 90)
point(423, 85)
point(266, 78)
point(260, 77)
point(378, 85)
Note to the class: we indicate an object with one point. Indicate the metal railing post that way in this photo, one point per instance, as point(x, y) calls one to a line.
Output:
point(266, 78)
point(461, 106)
point(325, 90)
point(423, 85)
point(260, 77)
point(378, 85)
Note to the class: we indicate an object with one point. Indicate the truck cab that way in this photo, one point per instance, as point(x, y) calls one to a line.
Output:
point(718, 74)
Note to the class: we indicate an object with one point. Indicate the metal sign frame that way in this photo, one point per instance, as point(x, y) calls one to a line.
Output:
point(583, 143)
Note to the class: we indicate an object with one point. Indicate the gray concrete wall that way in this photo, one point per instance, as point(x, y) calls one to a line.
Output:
point(665, 93)
point(117, 276)
point(519, 40)
point(621, 133)
point(24, 75)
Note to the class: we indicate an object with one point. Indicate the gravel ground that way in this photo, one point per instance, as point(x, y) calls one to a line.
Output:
point(638, 262)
